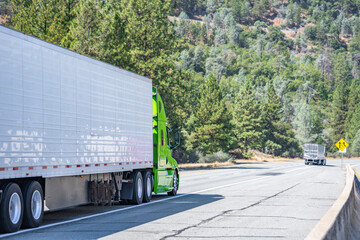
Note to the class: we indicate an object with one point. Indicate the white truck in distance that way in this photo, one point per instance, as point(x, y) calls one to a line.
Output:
point(314, 154)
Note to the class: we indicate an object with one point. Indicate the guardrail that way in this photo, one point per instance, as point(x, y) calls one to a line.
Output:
point(342, 221)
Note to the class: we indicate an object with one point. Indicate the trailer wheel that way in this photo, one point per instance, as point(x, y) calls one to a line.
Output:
point(175, 185)
point(11, 209)
point(324, 162)
point(34, 204)
point(138, 188)
point(147, 186)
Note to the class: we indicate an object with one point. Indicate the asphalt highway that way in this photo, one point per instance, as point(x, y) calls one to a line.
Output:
point(274, 200)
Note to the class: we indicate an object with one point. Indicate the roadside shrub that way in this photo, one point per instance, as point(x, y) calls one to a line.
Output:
point(215, 157)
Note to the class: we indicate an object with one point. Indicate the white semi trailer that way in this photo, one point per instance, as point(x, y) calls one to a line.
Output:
point(74, 130)
point(314, 154)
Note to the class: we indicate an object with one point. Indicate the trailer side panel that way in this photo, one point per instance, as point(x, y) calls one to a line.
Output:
point(64, 114)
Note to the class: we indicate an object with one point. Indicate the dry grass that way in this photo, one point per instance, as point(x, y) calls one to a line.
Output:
point(204, 165)
point(257, 157)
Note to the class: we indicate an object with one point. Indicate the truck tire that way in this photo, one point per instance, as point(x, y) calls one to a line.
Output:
point(147, 176)
point(11, 208)
point(175, 184)
point(138, 192)
point(324, 162)
point(33, 204)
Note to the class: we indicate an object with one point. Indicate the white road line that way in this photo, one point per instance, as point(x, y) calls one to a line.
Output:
point(355, 165)
point(298, 169)
point(135, 206)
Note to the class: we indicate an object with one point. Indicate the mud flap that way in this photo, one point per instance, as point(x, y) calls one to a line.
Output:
point(126, 192)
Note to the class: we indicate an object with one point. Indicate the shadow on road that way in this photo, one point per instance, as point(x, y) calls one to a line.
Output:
point(271, 174)
point(105, 225)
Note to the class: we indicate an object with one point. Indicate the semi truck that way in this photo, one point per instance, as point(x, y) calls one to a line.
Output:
point(314, 154)
point(75, 130)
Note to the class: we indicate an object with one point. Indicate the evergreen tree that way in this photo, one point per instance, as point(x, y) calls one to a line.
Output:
point(211, 131)
point(355, 146)
point(297, 18)
point(354, 99)
point(339, 107)
point(47, 19)
point(199, 58)
point(236, 7)
point(354, 123)
point(354, 46)
point(247, 120)
point(142, 40)
point(278, 136)
point(85, 29)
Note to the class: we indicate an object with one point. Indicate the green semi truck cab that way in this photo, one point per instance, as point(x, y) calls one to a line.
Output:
point(165, 169)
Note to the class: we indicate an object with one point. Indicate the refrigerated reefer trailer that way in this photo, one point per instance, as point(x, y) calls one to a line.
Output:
point(74, 130)
point(314, 154)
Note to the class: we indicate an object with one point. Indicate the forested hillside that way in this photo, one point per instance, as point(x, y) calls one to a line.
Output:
point(265, 75)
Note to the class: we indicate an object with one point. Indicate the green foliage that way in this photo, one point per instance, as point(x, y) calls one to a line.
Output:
point(355, 146)
point(340, 98)
point(47, 19)
point(279, 136)
point(311, 83)
point(247, 120)
point(215, 157)
point(86, 28)
point(210, 129)
point(354, 99)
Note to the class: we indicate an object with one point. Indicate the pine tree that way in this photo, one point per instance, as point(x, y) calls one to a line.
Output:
point(340, 97)
point(355, 146)
point(247, 120)
point(141, 39)
point(47, 19)
point(85, 30)
point(354, 99)
point(278, 136)
point(211, 127)
point(354, 122)
point(270, 114)
point(236, 7)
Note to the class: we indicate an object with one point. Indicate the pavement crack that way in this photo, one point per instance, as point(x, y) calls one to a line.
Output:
point(178, 232)
point(267, 198)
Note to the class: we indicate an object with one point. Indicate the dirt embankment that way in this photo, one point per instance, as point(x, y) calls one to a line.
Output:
point(257, 157)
